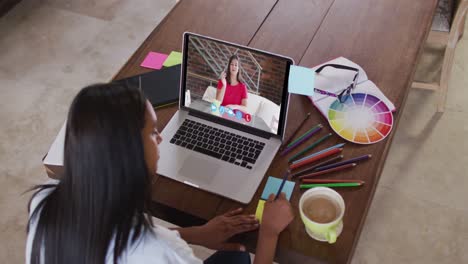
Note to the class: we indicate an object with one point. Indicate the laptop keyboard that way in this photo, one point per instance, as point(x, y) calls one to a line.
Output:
point(218, 143)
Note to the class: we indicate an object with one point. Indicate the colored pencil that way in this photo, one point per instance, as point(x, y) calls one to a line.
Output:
point(302, 136)
point(297, 130)
point(319, 152)
point(326, 162)
point(344, 162)
point(329, 181)
point(318, 173)
point(341, 184)
point(315, 158)
point(308, 135)
point(313, 145)
point(285, 177)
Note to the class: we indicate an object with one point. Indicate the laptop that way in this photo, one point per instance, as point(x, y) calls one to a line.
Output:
point(224, 138)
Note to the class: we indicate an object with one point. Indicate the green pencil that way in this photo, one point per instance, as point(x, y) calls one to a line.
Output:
point(305, 134)
point(310, 147)
point(341, 184)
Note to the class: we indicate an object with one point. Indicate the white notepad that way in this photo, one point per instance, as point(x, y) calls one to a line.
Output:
point(335, 80)
point(55, 154)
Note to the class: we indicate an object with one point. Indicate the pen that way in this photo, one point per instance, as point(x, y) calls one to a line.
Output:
point(285, 177)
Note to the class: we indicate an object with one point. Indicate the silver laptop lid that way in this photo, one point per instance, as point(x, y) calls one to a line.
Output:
point(256, 102)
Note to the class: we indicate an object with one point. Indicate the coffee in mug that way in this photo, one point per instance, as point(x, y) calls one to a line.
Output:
point(322, 210)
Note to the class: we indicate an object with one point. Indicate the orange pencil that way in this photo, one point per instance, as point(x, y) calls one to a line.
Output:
point(351, 165)
point(318, 157)
point(329, 181)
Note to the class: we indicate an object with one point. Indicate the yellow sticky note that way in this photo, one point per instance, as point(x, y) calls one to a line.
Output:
point(259, 212)
point(174, 58)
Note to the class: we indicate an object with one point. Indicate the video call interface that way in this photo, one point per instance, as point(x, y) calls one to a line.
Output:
point(234, 83)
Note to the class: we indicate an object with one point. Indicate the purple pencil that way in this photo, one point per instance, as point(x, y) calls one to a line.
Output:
point(344, 162)
point(293, 146)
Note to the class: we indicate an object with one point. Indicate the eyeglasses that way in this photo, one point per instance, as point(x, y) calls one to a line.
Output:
point(345, 93)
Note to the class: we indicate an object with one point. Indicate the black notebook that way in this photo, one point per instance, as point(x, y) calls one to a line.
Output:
point(161, 87)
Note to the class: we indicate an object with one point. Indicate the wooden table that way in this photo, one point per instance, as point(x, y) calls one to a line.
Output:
point(385, 37)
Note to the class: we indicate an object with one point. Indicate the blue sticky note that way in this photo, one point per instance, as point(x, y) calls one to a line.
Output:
point(272, 186)
point(301, 80)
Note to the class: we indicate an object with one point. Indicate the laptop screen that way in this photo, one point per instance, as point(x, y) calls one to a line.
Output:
point(236, 83)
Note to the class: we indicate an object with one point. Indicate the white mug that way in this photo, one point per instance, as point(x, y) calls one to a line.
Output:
point(323, 231)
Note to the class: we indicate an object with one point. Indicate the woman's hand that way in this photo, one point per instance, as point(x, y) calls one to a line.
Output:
point(223, 78)
point(220, 91)
point(219, 229)
point(277, 215)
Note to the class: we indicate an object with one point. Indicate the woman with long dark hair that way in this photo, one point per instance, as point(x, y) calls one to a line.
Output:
point(231, 90)
point(98, 211)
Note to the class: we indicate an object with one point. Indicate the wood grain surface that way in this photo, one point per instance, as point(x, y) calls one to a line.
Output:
point(385, 37)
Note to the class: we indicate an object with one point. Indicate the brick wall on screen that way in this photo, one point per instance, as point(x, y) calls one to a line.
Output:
point(196, 64)
point(271, 78)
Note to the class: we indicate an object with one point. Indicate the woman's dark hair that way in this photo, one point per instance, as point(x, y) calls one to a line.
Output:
point(105, 189)
point(228, 75)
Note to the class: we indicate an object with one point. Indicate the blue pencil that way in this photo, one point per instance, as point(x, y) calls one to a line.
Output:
point(316, 143)
point(344, 162)
point(318, 153)
point(285, 177)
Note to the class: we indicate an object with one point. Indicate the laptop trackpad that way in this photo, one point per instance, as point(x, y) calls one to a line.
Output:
point(199, 170)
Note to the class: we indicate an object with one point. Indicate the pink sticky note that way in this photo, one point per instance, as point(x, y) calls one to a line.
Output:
point(154, 60)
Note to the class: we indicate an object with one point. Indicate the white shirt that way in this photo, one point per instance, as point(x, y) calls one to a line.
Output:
point(164, 246)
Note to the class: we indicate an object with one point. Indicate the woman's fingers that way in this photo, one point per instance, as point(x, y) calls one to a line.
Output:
point(271, 197)
point(244, 228)
point(240, 223)
point(282, 196)
point(233, 212)
point(243, 219)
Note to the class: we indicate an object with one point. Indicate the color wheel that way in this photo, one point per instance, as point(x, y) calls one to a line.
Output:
point(362, 118)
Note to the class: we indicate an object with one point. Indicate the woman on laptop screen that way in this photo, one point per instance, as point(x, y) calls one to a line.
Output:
point(231, 91)
point(98, 211)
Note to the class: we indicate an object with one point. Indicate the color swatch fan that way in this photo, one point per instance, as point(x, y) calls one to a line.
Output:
point(361, 119)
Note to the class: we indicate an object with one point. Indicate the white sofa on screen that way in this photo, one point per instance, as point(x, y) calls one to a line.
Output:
point(256, 106)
